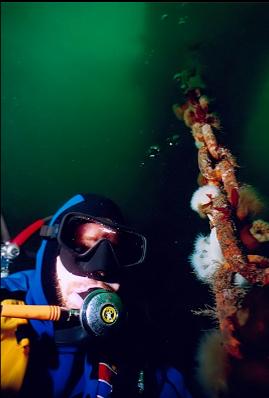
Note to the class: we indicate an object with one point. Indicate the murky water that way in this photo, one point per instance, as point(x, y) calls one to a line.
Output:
point(87, 97)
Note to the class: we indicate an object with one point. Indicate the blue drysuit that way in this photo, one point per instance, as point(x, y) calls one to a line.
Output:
point(67, 369)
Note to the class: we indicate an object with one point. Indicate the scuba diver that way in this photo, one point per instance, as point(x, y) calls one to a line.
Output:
point(81, 347)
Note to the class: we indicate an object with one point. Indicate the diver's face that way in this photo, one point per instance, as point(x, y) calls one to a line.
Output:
point(72, 289)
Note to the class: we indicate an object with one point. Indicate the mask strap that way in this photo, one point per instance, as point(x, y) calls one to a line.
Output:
point(49, 231)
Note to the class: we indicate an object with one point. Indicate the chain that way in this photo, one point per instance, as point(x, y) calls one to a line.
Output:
point(217, 167)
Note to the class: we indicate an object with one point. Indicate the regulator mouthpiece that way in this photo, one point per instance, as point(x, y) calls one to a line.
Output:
point(102, 312)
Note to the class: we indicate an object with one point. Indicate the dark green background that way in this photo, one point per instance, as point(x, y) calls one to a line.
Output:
point(87, 89)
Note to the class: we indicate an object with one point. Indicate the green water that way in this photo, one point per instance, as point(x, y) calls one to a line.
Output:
point(71, 109)
point(87, 89)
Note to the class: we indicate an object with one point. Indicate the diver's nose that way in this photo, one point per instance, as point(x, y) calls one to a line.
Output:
point(101, 259)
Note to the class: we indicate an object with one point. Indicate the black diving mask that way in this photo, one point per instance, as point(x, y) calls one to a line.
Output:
point(90, 245)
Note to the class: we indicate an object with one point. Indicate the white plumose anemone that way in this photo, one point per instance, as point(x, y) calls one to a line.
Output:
point(202, 196)
point(207, 256)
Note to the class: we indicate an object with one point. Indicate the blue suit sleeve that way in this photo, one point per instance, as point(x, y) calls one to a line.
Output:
point(20, 281)
point(171, 384)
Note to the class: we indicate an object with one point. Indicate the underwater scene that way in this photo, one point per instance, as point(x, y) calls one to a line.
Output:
point(163, 109)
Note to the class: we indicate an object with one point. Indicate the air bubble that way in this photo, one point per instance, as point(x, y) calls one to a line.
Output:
point(163, 17)
point(173, 140)
point(153, 151)
point(182, 20)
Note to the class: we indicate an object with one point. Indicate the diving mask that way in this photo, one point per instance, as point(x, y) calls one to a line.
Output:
point(81, 237)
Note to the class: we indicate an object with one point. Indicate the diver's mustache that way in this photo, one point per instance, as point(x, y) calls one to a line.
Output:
point(104, 286)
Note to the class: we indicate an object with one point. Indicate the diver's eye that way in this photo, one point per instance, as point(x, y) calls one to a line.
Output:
point(98, 275)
